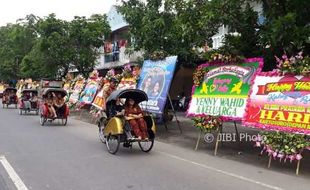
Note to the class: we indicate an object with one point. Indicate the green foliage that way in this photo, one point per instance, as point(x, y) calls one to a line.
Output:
point(16, 40)
point(49, 47)
point(172, 26)
point(207, 123)
point(285, 143)
point(87, 36)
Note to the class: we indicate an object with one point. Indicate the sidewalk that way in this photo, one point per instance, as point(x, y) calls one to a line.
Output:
point(241, 152)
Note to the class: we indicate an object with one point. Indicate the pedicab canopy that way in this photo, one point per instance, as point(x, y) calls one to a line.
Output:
point(137, 95)
point(54, 90)
point(10, 89)
point(34, 91)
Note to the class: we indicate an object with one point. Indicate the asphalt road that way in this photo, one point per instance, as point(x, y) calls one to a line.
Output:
point(72, 158)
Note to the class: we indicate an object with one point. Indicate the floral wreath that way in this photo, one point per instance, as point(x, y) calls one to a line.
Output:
point(283, 146)
point(158, 55)
point(297, 65)
point(207, 123)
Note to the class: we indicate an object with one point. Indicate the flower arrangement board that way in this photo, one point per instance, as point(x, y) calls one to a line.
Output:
point(99, 101)
point(224, 89)
point(155, 81)
point(1, 88)
point(127, 83)
point(279, 103)
point(78, 87)
point(89, 92)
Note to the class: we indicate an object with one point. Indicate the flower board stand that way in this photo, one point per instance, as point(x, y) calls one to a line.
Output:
point(219, 132)
point(297, 166)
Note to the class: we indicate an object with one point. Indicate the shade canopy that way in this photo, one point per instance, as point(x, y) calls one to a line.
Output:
point(135, 94)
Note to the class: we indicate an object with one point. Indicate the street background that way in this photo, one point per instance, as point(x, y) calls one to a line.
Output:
point(72, 157)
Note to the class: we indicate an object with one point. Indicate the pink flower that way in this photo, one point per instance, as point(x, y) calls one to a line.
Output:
point(281, 156)
point(291, 157)
point(274, 154)
point(284, 56)
point(257, 144)
point(259, 138)
point(298, 157)
point(127, 67)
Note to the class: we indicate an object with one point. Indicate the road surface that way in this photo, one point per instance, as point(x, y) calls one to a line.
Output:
point(72, 158)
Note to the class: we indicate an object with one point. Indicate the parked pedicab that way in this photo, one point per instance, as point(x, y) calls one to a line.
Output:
point(9, 97)
point(47, 106)
point(113, 130)
point(2, 86)
point(29, 101)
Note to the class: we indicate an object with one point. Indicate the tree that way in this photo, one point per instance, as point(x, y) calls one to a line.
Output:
point(286, 28)
point(55, 46)
point(173, 26)
point(86, 37)
point(16, 40)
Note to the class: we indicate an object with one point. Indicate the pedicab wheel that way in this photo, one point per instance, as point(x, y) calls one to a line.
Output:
point(146, 146)
point(100, 133)
point(112, 143)
point(64, 121)
point(42, 120)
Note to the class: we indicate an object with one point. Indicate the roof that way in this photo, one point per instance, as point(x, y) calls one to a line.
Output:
point(115, 19)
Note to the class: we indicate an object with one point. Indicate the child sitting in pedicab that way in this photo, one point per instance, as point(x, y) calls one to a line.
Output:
point(26, 100)
point(34, 100)
point(49, 100)
point(59, 103)
point(134, 115)
point(12, 96)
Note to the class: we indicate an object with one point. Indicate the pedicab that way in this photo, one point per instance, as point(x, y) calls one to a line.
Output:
point(45, 113)
point(112, 130)
point(1, 89)
point(9, 97)
point(29, 101)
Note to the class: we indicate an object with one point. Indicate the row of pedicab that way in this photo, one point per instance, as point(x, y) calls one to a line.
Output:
point(32, 101)
point(114, 128)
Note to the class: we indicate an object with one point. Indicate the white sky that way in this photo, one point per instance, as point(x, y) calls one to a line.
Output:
point(11, 10)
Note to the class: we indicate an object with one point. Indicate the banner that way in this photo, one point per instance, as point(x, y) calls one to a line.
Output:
point(224, 90)
point(89, 92)
point(155, 80)
point(78, 87)
point(280, 103)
